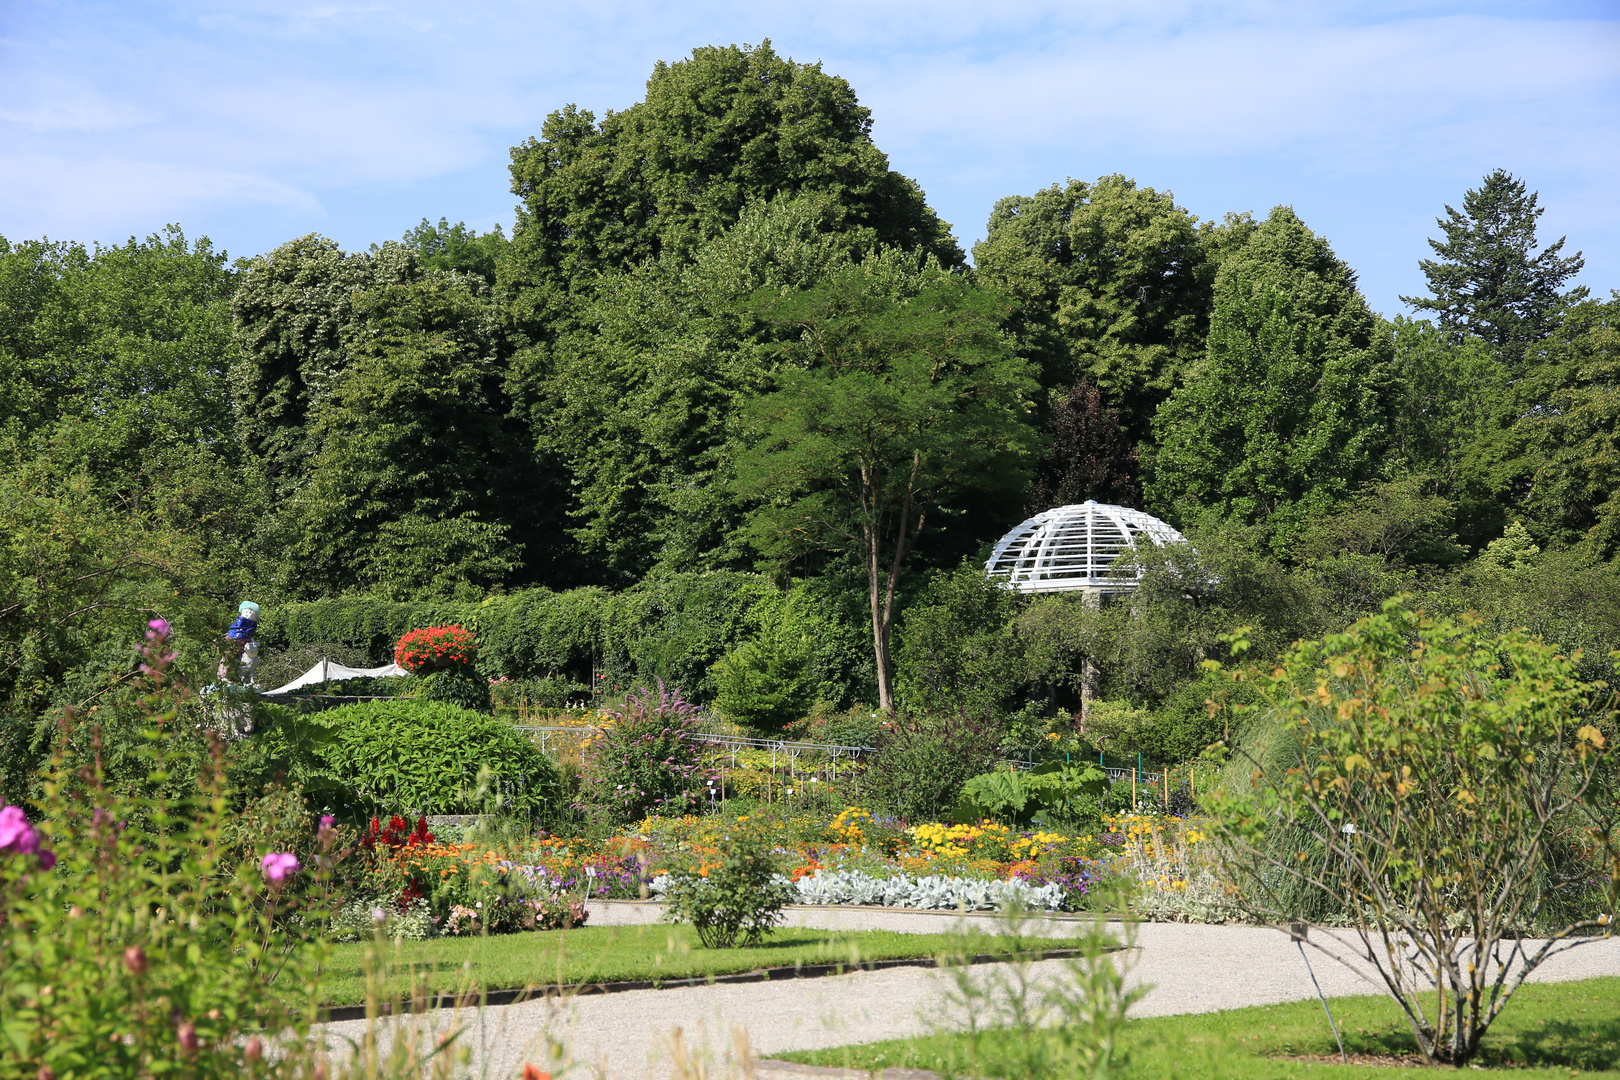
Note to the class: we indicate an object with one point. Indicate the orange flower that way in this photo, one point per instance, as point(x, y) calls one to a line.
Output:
point(531, 1072)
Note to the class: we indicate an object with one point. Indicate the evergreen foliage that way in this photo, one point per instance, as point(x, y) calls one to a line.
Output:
point(1490, 281)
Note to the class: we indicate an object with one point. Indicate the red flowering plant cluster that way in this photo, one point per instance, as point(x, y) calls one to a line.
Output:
point(384, 844)
point(436, 648)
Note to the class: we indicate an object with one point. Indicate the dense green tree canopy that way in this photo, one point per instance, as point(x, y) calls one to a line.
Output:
point(715, 131)
point(1111, 284)
point(291, 310)
point(1288, 411)
point(419, 479)
point(887, 409)
point(642, 404)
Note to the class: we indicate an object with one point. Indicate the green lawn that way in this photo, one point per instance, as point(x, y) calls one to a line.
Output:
point(594, 954)
point(1548, 1030)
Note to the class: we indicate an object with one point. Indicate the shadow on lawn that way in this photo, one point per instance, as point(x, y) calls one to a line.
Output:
point(1587, 1045)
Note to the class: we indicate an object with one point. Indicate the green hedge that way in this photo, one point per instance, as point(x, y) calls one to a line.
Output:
point(674, 627)
point(402, 755)
point(367, 622)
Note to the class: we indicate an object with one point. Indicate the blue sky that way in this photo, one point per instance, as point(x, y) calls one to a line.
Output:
point(255, 122)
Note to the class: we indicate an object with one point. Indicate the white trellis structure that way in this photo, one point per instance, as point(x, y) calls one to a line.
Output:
point(1073, 548)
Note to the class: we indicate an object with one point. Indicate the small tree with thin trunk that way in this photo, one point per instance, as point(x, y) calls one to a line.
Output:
point(1445, 792)
point(885, 410)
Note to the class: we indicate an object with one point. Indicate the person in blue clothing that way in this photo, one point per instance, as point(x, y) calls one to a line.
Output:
point(240, 645)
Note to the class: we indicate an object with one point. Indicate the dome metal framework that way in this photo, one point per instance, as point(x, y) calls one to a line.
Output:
point(1072, 548)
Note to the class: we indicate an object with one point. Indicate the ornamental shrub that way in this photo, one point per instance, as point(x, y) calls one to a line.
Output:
point(1449, 790)
point(646, 761)
point(425, 757)
point(923, 761)
point(436, 648)
point(735, 902)
point(459, 686)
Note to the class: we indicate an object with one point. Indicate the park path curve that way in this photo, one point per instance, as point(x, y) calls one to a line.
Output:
point(1191, 968)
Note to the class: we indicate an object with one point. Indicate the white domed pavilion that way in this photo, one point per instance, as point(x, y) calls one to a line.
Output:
point(1073, 548)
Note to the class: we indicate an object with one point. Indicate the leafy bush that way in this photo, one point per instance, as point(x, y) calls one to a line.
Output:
point(646, 761)
point(458, 686)
point(426, 757)
point(1016, 798)
point(923, 761)
point(957, 651)
point(436, 648)
point(139, 947)
point(551, 693)
point(860, 725)
point(735, 902)
point(1432, 777)
point(764, 683)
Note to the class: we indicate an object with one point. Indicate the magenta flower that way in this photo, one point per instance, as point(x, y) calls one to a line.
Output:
point(326, 821)
point(158, 628)
point(15, 832)
point(278, 866)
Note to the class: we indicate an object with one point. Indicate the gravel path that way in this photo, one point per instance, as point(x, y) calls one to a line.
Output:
point(627, 1036)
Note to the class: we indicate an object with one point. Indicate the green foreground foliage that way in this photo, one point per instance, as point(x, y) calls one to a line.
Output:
point(1556, 1030)
point(1441, 790)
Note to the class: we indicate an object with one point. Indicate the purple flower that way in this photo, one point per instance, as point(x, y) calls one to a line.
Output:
point(15, 832)
point(278, 866)
point(326, 821)
point(47, 859)
point(157, 628)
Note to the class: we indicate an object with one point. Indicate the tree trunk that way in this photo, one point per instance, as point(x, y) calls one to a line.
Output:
point(880, 631)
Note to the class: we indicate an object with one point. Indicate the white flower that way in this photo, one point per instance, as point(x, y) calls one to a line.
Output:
point(1349, 829)
point(378, 914)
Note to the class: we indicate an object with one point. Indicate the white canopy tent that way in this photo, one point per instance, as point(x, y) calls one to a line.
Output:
point(326, 670)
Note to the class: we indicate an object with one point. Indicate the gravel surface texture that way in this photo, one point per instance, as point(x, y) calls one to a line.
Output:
point(631, 1036)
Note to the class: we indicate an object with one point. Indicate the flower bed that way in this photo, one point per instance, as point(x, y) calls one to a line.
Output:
point(854, 858)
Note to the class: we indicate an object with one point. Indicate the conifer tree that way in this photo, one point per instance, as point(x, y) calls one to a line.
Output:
point(1489, 280)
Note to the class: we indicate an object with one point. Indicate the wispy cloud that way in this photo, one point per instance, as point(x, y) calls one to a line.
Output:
point(257, 120)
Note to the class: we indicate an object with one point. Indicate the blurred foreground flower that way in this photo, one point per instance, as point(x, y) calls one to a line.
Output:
point(278, 866)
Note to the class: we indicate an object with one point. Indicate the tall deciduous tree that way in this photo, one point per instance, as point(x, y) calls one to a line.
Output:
point(1090, 456)
point(420, 478)
point(887, 410)
point(643, 404)
point(1287, 413)
point(729, 125)
point(1111, 284)
point(1489, 279)
point(291, 310)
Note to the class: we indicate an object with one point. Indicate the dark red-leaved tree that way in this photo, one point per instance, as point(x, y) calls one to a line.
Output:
point(1090, 456)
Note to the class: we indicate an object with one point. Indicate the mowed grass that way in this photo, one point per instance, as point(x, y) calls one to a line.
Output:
point(1547, 1030)
point(594, 954)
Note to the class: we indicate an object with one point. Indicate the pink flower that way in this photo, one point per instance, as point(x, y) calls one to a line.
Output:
point(326, 821)
point(15, 832)
point(188, 1037)
point(157, 628)
point(278, 866)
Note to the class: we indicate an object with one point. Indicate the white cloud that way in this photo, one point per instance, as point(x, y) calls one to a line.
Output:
point(224, 111)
